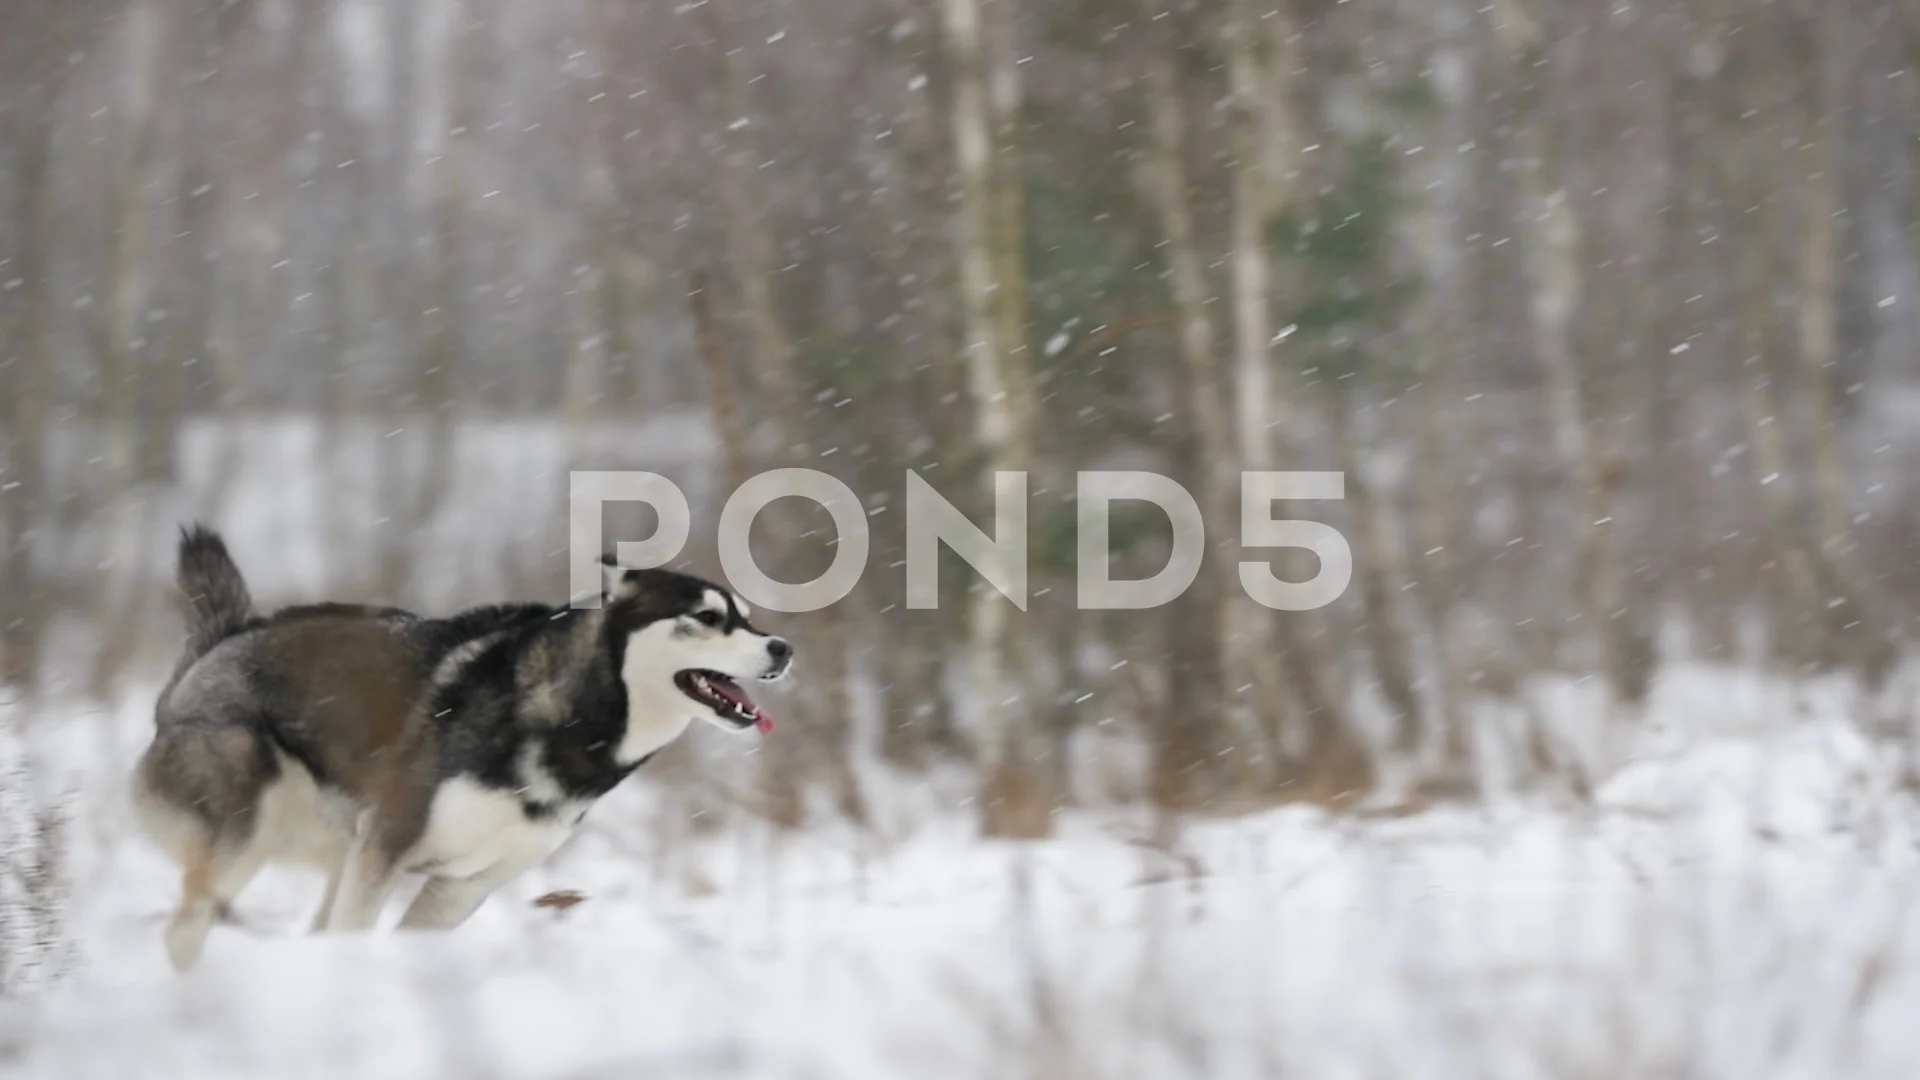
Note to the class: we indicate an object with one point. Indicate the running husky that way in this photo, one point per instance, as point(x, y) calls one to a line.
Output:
point(373, 741)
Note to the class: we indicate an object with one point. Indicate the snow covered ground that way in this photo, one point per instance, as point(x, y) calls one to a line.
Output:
point(1740, 905)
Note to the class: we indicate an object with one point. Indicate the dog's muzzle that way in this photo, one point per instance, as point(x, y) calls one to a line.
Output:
point(779, 658)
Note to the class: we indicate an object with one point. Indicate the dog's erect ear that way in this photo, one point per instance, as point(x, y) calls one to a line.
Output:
point(614, 583)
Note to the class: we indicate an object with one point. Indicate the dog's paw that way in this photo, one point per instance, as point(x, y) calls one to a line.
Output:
point(185, 940)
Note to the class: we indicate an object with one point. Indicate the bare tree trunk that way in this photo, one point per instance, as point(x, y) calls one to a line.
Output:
point(1799, 608)
point(918, 713)
point(787, 765)
point(595, 347)
point(1384, 585)
point(122, 352)
point(36, 47)
point(1444, 320)
point(1552, 248)
point(751, 252)
point(1001, 53)
point(433, 48)
point(121, 341)
point(1188, 733)
point(25, 372)
point(1816, 332)
point(1822, 607)
point(583, 386)
point(1014, 798)
point(1264, 172)
point(726, 410)
point(1266, 134)
point(1869, 639)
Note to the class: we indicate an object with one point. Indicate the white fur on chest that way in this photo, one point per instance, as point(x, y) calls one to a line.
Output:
point(473, 829)
point(657, 712)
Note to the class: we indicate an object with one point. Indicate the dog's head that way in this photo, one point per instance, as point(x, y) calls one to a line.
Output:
point(688, 646)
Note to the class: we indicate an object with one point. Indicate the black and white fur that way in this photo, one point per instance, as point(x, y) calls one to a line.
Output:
point(373, 742)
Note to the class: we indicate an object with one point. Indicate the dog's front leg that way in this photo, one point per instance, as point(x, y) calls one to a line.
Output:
point(327, 899)
point(347, 829)
point(364, 878)
point(445, 903)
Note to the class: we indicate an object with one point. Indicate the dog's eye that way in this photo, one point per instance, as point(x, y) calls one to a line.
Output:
point(708, 618)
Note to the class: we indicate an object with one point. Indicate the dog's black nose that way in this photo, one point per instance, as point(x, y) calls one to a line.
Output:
point(779, 650)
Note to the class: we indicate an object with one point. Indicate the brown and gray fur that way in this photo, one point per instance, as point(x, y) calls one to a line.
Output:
point(372, 741)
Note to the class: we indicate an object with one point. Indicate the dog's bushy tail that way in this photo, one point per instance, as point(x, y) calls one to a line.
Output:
point(214, 587)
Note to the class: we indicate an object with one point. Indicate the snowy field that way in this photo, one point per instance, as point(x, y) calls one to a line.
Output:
point(1740, 904)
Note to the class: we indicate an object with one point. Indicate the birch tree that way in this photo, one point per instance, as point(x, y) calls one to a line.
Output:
point(1014, 801)
point(1266, 137)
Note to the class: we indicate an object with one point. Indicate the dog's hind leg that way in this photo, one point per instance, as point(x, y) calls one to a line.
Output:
point(187, 931)
point(216, 870)
point(197, 793)
point(234, 872)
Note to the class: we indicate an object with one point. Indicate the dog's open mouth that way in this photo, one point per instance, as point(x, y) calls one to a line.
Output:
point(724, 696)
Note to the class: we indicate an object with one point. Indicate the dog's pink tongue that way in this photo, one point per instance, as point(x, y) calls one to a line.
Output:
point(732, 692)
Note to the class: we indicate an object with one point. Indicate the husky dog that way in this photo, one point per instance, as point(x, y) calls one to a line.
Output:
point(372, 741)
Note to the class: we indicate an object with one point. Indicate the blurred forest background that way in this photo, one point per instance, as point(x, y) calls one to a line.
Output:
point(1607, 311)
